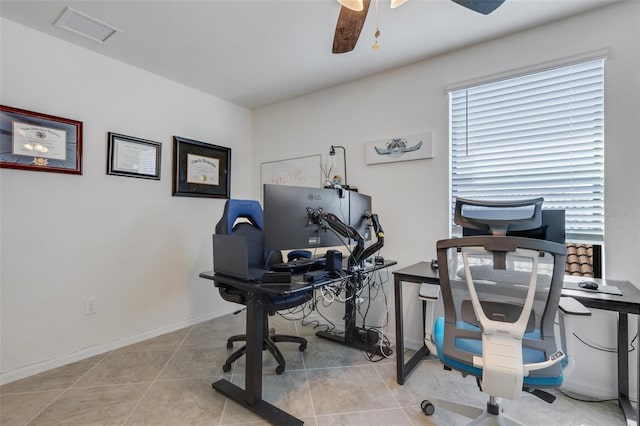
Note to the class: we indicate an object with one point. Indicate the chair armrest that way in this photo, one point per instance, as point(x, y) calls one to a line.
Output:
point(570, 306)
point(298, 254)
point(231, 294)
point(556, 357)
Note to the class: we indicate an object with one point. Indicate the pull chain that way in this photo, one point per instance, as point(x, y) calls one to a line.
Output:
point(376, 45)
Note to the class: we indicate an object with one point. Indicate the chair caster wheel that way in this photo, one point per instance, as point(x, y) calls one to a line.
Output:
point(229, 345)
point(280, 369)
point(226, 368)
point(427, 407)
point(302, 347)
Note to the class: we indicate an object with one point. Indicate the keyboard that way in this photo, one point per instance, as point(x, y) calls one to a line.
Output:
point(301, 265)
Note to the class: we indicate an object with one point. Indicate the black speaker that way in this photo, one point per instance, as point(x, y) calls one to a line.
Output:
point(334, 260)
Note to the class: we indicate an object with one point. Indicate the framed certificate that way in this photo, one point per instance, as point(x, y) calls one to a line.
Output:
point(200, 169)
point(35, 141)
point(133, 157)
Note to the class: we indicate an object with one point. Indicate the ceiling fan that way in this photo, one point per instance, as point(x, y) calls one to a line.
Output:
point(354, 12)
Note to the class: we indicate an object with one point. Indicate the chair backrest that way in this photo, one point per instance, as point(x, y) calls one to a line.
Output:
point(251, 229)
point(235, 209)
point(502, 292)
point(498, 216)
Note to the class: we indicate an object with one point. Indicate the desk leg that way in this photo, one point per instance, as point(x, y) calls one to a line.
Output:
point(254, 330)
point(630, 414)
point(397, 292)
point(402, 369)
point(251, 396)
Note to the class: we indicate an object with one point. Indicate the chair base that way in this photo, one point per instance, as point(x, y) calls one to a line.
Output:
point(268, 343)
point(480, 417)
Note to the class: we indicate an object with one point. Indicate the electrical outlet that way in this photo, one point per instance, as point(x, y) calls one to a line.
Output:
point(90, 306)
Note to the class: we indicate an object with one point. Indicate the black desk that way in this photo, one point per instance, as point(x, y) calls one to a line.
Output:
point(418, 273)
point(251, 396)
point(628, 303)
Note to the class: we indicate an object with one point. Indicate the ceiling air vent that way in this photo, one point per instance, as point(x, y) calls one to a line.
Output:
point(85, 25)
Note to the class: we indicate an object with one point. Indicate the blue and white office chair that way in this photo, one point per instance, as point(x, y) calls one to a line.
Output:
point(500, 297)
point(252, 228)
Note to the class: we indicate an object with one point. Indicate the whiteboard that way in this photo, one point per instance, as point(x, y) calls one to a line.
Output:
point(301, 171)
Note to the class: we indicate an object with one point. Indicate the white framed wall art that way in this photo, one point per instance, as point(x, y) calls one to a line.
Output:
point(399, 148)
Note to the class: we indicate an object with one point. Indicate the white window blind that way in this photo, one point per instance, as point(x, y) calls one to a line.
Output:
point(539, 134)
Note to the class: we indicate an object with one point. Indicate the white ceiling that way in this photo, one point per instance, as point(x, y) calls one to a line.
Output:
point(254, 53)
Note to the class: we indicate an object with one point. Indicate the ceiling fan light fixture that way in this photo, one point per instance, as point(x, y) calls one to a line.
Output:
point(397, 3)
point(355, 5)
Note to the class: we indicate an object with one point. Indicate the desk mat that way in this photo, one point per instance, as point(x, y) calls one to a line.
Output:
point(607, 289)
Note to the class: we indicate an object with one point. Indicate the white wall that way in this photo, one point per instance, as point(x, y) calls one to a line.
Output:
point(412, 198)
point(125, 241)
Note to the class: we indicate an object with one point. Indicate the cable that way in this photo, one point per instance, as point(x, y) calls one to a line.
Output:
point(366, 286)
point(609, 350)
point(598, 348)
point(613, 350)
point(633, 348)
point(587, 400)
point(314, 307)
point(325, 297)
point(370, 282)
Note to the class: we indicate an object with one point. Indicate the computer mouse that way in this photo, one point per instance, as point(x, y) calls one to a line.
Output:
point(588, 285)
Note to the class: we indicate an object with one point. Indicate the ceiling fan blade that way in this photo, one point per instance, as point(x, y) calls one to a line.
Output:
point(348, 28)
point(481, 6)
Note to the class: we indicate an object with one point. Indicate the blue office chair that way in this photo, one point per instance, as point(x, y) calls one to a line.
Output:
point(252, 229)
point(500, 297)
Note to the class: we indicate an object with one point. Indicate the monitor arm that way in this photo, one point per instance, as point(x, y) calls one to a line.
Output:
point(359, 253)
point(346, 231)
point(377, 228)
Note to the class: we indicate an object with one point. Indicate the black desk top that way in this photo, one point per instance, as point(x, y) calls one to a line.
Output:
point(297, 283)
point(628, 302)
point(420, 270)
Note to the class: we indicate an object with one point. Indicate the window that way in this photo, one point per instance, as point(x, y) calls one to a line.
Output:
point(539, 134)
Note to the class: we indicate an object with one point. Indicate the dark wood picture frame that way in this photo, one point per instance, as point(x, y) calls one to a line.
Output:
point(133, 157)
point(40, 142)
point(200, 169)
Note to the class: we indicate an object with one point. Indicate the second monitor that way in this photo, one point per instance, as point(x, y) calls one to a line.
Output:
point(289, 211)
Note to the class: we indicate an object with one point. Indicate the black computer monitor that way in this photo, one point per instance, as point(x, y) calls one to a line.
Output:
point(287, 211)
point(551, 229)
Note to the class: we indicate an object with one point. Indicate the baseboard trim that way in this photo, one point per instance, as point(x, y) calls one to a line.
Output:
point(40, 367)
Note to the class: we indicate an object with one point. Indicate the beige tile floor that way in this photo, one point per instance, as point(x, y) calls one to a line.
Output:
point(167, 381)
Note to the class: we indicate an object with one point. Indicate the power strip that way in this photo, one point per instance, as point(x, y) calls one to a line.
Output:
point(316, 276)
